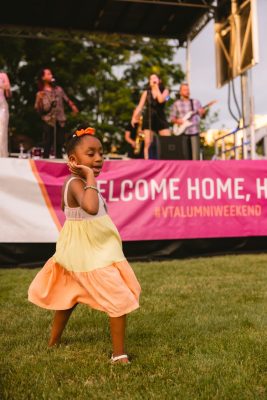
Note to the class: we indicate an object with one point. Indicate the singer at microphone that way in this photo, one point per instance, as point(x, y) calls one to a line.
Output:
point(49, 103)
point(153, 101)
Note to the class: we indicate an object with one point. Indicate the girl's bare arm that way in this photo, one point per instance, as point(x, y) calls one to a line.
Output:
point(88, 199)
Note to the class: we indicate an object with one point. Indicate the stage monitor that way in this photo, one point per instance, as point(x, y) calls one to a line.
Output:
point(170, 148)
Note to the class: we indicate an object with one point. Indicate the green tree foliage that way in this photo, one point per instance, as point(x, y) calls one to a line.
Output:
point(207, 149)
point(103, 74)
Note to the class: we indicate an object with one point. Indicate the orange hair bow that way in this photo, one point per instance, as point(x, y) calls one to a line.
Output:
point(87, 131)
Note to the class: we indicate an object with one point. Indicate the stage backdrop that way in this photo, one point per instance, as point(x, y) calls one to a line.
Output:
point(148, 200)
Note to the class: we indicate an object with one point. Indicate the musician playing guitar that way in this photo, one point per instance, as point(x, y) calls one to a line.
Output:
point(190, 136)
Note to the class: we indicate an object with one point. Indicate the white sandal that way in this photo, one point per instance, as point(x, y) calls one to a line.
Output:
point(117, 358)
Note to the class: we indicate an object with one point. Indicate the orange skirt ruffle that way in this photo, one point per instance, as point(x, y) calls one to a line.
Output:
point(113, 289)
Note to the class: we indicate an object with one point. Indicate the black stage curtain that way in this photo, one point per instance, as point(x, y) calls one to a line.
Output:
point(35, 254)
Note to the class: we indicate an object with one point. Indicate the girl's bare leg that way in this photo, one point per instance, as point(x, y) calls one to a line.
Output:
point(165, 132)
point(148, 140)
point(117, 330)
point(61, 318)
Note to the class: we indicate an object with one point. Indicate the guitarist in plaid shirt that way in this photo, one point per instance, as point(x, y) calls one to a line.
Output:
point(190, 137)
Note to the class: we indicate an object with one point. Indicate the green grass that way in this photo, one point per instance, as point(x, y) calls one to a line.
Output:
point(201, 333)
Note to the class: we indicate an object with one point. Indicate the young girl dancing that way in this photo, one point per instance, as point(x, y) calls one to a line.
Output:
point(88, 266)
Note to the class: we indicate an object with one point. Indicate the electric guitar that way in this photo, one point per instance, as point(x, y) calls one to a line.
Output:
point(179, 129)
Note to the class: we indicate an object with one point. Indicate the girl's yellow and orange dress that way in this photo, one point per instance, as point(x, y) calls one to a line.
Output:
point(88, 266)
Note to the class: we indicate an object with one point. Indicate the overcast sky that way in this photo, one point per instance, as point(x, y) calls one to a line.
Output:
point(203, 79)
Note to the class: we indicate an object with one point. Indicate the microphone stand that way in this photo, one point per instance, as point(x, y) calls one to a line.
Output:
point(149, 120)
point(55, 123)
point(55, 138)
point(153, 148)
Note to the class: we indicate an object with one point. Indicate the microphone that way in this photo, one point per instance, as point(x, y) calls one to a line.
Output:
point(53, 82)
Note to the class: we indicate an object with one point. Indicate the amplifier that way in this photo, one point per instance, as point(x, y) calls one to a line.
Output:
point(170, 148)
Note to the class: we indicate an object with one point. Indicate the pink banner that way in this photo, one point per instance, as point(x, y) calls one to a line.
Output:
point(152, 200)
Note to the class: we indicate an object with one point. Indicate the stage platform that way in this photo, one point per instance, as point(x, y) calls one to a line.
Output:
point(161, 208)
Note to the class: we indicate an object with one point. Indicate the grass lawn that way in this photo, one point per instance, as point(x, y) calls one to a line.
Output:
point(201, 333)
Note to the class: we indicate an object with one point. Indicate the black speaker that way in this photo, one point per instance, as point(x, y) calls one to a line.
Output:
point(170, 148)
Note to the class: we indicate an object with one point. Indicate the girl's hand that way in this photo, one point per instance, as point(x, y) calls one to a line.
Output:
point(80, 170)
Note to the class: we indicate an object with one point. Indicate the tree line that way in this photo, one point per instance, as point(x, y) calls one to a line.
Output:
point(103, 74)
